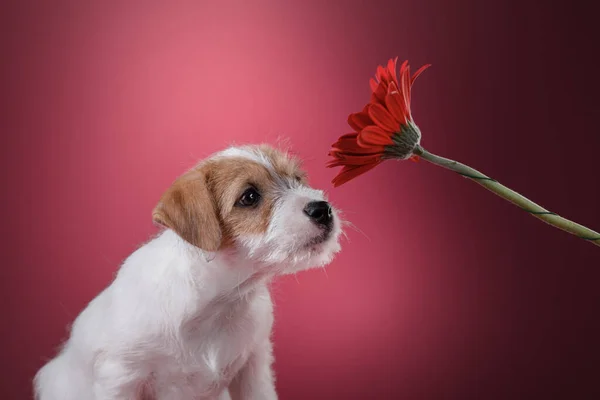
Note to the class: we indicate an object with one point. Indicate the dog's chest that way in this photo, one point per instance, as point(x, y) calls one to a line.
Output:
point(215, 345)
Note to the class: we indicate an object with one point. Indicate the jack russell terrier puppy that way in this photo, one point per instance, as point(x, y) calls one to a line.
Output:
point(189, 314)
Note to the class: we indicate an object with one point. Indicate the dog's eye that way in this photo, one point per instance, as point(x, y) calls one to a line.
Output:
point(249, 198)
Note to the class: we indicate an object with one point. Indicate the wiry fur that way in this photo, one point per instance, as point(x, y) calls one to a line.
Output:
point(189, 314)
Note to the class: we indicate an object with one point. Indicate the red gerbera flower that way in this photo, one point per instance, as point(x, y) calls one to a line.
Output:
point(384, 129)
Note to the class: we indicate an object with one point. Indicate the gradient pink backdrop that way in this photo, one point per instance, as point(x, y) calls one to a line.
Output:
point(448, 292)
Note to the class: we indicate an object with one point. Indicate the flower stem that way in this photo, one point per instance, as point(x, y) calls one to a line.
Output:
point(512, 196)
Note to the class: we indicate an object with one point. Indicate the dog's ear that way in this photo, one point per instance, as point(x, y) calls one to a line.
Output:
point(188, 207)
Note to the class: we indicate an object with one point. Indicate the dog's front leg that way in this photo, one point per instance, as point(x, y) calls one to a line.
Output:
point(113, 380)
point(256, 381)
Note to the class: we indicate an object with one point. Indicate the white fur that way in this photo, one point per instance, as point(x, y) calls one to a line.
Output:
point(243, 152)
point(180, 324)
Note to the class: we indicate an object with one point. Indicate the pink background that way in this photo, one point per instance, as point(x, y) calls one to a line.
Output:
point(446, 291)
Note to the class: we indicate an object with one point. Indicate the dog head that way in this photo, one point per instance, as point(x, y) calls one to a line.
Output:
point(255, 201)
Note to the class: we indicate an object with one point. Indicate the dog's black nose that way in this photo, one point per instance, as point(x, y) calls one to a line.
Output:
point(319, 211)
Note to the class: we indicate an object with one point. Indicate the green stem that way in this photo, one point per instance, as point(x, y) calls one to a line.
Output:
point(512, 196)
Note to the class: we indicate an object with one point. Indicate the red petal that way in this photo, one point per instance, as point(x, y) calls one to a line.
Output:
point(361, 158)
point(359, 120)
point(341, 143)
point(403, 68)
point(349, 173)
point(355, 150)
point(405, 88)
point(414, 158)
point(391, 67)
point(354, 160)
point(348, 145)
point(359, 151)
point(394, 70)
point(373, 83)
point(373, 135)
point(382, 73)
point(342, 154)
point(380, 91)
point(419, 72)
point(383, 118)
point(395, 105)
point(348, 136)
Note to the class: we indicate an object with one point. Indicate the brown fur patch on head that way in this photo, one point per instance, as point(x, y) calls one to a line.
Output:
point(189, 209)
point(229, 179)
point(202, 205)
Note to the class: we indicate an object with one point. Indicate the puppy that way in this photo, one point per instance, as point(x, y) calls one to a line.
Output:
point(189, 314)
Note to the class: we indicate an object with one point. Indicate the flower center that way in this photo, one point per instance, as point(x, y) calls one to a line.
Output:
point(405, 142)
